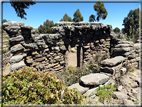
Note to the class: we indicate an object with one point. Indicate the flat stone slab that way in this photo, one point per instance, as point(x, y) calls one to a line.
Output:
point(81, 89)
point(123, 45)
point(125, 42)
point(123, 49)
point(16, 59)
point(113, 61)
point(16, 48)
point(94, 79)
point(18, 65)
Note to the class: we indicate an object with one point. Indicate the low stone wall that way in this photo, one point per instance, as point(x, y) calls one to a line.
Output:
point(49, 52)
point(129, 50)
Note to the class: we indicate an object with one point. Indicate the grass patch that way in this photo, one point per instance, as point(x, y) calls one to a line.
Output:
point(105, 92)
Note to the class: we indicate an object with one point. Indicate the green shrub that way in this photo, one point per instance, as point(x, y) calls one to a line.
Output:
point(94, 63)
point(105, 92)
point(29, 86)
point(72, 75)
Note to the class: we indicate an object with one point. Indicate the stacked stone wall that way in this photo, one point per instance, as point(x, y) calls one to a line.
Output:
point(49, 52)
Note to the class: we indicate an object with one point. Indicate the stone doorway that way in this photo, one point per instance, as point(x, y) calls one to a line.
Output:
point(75, 57)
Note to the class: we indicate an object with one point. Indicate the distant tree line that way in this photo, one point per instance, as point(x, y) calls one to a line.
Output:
point(130, 23)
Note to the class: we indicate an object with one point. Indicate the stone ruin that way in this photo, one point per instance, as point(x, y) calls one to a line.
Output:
point(49, 52)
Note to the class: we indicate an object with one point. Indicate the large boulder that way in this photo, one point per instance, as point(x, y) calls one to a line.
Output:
point(94, 79)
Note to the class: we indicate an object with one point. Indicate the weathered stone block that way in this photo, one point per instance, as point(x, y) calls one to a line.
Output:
point(16, 66)
point(16, 48)
point(16, 59)
point(113, 61)
point(94, 79)
point(16, 39)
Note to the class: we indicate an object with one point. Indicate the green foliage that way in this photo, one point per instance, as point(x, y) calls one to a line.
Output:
point(29, 86)
point(4, 20)
point(94, 64)
point(5, 51)
point(72, 75)
point(77, 16)
point(66, 18)
point(116, 30)
point(46, 27)
point(101, 10)
point(92, 18)
point(20, 7)
point(131, 23)
point(105, 92)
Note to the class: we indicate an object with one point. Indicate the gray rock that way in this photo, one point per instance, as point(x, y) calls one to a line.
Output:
point(30, 45)
point(120, 88)
point(81, 89)
point(94, 79)
point(27, 27)
point(57, 57)
point(14, 23)
point(86, 47)
point(56, 49)
point(126, 42)
point(29, 61)
point(63, 48)
point(16, 59)
point(137, 46)
point(16, 48)
point(126, 49)
point(119, 95)
point(90, 92)
point(123, 70)
point(128, 102)
point(123, 45)
point(113, 61)
point(16, 66)
point(16, 39)
point(107, 69)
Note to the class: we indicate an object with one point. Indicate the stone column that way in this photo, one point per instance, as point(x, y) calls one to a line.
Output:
point(81, 56)
point(78, 56)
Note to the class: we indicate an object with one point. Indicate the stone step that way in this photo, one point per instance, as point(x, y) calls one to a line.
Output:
point(93, 79)
point(113, 61)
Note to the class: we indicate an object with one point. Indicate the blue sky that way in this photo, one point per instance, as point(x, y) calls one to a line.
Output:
point(40, 12)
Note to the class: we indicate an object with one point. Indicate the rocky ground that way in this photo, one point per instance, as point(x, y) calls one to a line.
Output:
point(127, 90)
point(127, 85)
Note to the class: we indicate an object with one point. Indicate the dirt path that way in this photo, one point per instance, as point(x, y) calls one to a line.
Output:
point(72, 59)
point(6, 70)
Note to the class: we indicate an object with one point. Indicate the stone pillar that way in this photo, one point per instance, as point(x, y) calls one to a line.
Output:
point(79, 56)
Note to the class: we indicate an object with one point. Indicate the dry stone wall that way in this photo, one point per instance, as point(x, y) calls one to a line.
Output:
point(126, 49)
point(49, 52)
